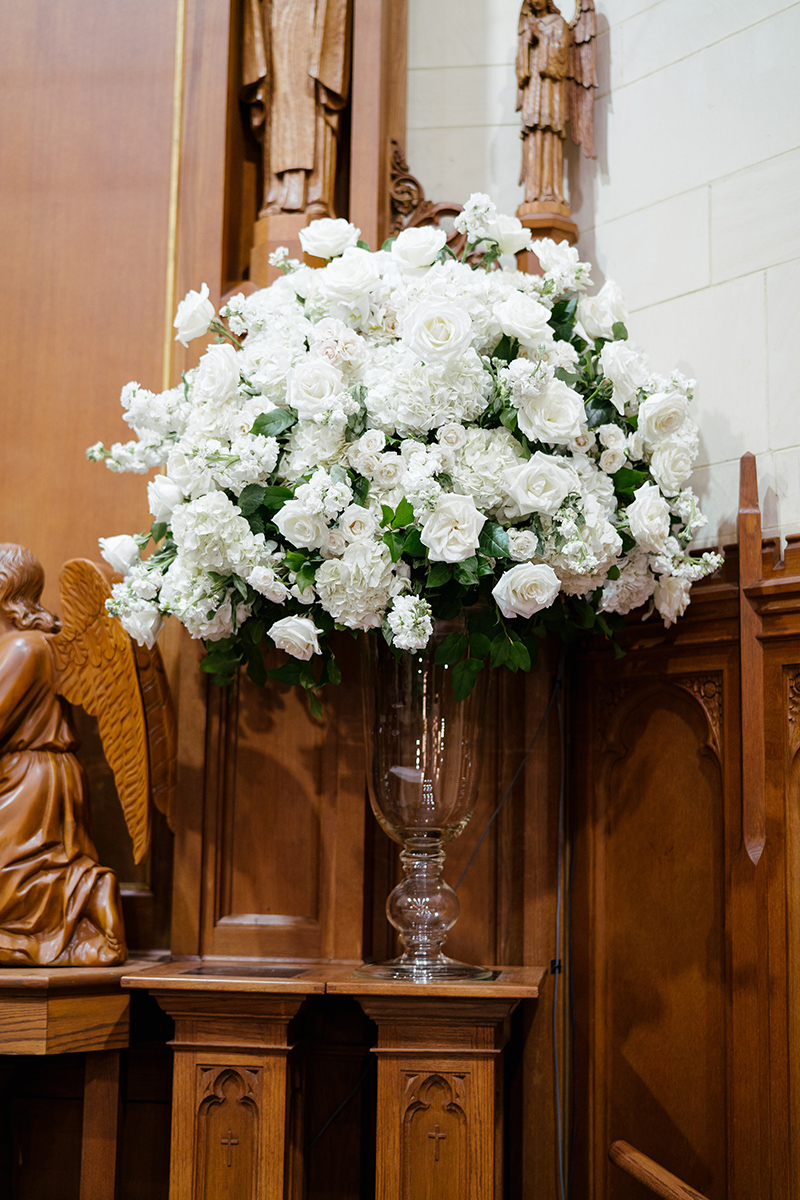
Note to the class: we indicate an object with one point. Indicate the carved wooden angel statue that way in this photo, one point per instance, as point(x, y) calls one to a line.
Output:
point(556, 79)
point(58, 906)
point(296, 76)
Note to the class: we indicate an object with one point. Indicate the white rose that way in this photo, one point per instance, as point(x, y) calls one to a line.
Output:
point(218, 373)
point(661, 415)
point(388, 470)
point(357, 523)
point(296, 635)
point(648, 516)
point(612, 460)
point(555, 256)
point(328, 237)
point(371, 442)
point(555, 415)
point(526, 589)
point(417, 248)
point(598, 314)
point(524, 318)
point(451, 436)
point(265, 581)
point(510, 234)
point(348, 281)
point(671, 595)
point(195, 314)
point(120, 552)
point(143, 624)
point(522, 544)
point(671, 464)
point(335, 545)
point(306, 530)
point(539, 485)
point(312, 388)
point(452, 530)
point(611, 437)
point(437, 331)
point(626, 369)
point(163, 496)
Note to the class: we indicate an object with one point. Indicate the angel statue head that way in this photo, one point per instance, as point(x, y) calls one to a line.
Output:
point(21, 584)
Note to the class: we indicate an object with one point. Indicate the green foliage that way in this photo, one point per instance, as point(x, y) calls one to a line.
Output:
point(273, 423)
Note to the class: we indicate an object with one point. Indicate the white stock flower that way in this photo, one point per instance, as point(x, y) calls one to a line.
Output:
point(671, 595)
point(597, 314)
point(524, 318)
point(626, 369)
point(415, 249)
point(328, 237)
point(452, 530)
point(561, 264)
point(477, 217)
point(194, 315)
point(120, 552)
point(437, 330)
point(661, 415)
point(539, 485)
point(633, 586)
point(526, 589)
point(163, 496)
point(411, 622)
point(296, 635)
point(648, 516)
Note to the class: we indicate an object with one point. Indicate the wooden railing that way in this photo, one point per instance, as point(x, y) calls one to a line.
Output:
point(649, 1173)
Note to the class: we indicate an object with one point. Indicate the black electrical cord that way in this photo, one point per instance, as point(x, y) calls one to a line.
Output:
point(310, 1145)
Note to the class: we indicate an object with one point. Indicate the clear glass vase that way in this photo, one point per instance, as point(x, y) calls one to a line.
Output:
point(424, 751)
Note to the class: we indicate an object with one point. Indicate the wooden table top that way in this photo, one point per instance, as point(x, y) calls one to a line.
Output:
point(69, 978)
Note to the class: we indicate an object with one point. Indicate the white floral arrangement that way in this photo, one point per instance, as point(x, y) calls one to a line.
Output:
point(397, 437)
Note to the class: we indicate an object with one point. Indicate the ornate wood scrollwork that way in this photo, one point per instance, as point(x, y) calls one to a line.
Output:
point(707, 689)
point(410, 207)
point(792, 677)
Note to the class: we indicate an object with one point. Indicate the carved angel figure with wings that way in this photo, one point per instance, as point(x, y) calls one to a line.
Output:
point(58, 905)
point(556, 79)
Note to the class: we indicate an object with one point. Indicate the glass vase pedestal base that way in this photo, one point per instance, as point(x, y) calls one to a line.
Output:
point(436, 969)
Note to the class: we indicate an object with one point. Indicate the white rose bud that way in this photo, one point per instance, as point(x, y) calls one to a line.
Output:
point(510, 234)
point(648, 516)
point(297, 636)
point(163, 496)
point(452, 436)
point(328, 237)
point(143, 624)
point(671, 595)
point(522, 544)
point(195, 314)
point(612, 460)
point(598, 314)
point(626, 369)
point(611, 437)
point(437, 330)
point(452, 530)
point(524, 318)
point(416, 249)
point(265, 581)
point(120, 552)
point(526, 589)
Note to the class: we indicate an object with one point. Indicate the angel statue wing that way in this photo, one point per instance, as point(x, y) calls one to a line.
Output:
point(582, 76)
point(96, 665)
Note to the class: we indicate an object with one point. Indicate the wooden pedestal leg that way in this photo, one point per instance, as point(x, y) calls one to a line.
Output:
point(439, 1128)
point(230, 1096)
point(101, 1118)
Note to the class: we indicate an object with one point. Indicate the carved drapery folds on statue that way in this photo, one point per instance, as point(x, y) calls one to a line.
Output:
point(296, 82)
point(58, 905)
point(556, 80)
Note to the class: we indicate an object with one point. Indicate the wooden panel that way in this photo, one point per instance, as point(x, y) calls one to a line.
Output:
point(85, 136)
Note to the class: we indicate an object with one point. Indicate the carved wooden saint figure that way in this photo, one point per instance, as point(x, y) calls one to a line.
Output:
point(556, 79)
point(58, 905)
point(296, 77)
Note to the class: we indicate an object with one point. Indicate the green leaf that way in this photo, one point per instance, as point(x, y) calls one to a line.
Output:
point(240, 586)
point(275, 422)
point(493, 540)
point(387, 514)
point(362, 245)
point(288, 673)
point(275, 497)
point(562, 318)
point(519, 656)
point(599, 411)
point(255, 666)
point(466, 572)
point(619, 331)
point(251, 498)
point(305, 576)
point(413, 546)
point(500, 649)
point(506, 349)
point(508, 418)
point(627, 480)
point(314, 703)
point(404, 514)
point(361, 491)
point(394, 539)
point(158, 530)
point(339, 474)
point(451, 649)
point(613, 573)
point(464, 675)
point(295, 559)
point(439, 574)
point(387, 245)
point(256, 522)
point(479, 645)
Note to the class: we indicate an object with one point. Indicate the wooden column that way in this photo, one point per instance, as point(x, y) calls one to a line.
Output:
point(440, 1117)
point(230, 1107)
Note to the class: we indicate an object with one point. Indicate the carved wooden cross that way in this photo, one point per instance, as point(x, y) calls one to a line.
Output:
point(230, 1141)
point(439, 1137)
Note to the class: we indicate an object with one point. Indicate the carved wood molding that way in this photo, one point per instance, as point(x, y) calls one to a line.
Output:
point(704, 688)
point(435, 1132)
point(791, 675)
point(409, 206)
point(707, 690)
